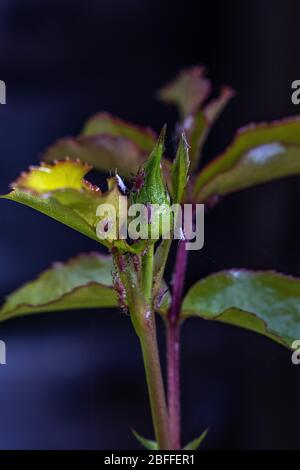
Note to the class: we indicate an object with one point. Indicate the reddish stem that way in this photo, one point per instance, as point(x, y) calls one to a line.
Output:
point(173, 346)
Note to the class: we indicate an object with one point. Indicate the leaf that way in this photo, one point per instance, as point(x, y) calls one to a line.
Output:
point(51, 207)
point(82, 282)
point(197, 127)
point(265, 302)
point(147, 443)
point(107, 143)
point(104, 123)
point(187, 91)
point(180, 170)
point(50, 189)
point(259, 153)
point(61, 175)
point(196, 443)
point(117, 218)
point(105, 152)
point(215, 106)
point(64, 182)
point(60, 191)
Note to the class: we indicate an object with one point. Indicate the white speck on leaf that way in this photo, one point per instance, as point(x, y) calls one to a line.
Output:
point(188, 122)
point(235, 273)
point(263, 153)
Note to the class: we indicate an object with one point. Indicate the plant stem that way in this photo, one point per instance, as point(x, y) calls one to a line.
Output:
point(147, 273)
point(173, 346)
point(146, 329)
point(173, 366)
point(155, 387)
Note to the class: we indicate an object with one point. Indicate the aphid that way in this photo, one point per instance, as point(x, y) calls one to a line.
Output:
point(121, 262)
point(121, 292)
point(121, 184)
point(136, 260)
point(138, 181)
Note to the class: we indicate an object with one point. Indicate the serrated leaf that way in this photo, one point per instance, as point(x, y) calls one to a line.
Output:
point(78, 210)
point(104, 123)
point(196, 443)
point(65, 174)
point(146, 443)
point(187, 91)
point(104, 152)
point(107, 143)
point(197, 127)
point(82, 282)
point(54, 209)
point(259, 153)
point(265, 302)
point(60, 191)
point(180, 170)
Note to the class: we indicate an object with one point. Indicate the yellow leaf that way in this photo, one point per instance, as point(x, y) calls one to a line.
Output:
point(50, 177)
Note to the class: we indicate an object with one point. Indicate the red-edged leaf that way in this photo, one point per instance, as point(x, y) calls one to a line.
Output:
point(187, 91)
point(82, 282)
point(265, 302)
point(258, 153)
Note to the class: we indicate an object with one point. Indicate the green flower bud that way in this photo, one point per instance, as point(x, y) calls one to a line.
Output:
point(149, 189)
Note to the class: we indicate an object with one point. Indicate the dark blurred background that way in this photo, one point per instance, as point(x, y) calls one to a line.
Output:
point(75, 380)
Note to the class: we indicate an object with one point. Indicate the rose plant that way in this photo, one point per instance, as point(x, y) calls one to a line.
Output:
point(131, 276)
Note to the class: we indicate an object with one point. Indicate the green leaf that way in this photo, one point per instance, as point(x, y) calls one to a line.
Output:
point(265, 302)
point(214, 107)
point(187, 91)
point(196, 443)
point(259, 153)
point(197, 127)
point(82, 282)
point(105, 152)
point(107, 143)
point(60, 191)
point(180, 170)
point(104, 123)
point(51, 207)
point(147, 443)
